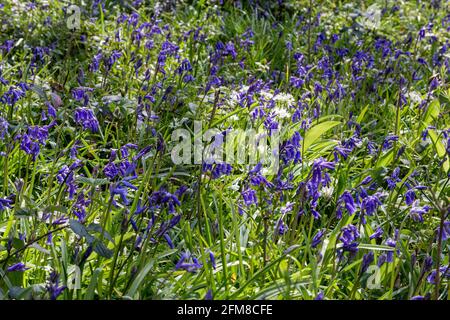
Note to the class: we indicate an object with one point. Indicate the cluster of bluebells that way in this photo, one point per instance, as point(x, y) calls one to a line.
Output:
point(184, 264)
point(86, 118)
point(34, 138)
point(348, 176)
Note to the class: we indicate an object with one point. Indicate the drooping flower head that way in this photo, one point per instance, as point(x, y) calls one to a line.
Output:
point(53, 287)
point(17, 267)
point(86, 118)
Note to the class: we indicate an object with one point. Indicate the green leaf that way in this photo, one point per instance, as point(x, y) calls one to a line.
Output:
point(79, 229)
point(385, 159)
point(257, 274)
point(378, 247)
point(92, 181)
point(101, 249)
point(39, 248)
point(19, 293)
point(54, 208)
point(25, 213)
point(431, 113)
point(143, 273)
point(95, 227)
point(5, 278)
point(362, 114)
point(90, 291)
point(440, 149)
point(314, 133)
point(40, 91)
point(330, 243)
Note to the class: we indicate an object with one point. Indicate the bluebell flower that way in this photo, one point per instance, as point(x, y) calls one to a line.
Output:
point(51, 110)
point(221, 169)
point(121, 188)
point(377, 234)
point(163, 198)
point(343, 152)
point(7, 45)
point(13, 95)
point(35, 136)
point(317, 239)
point(79, 208)
point(445, 231)
point(428, 264)
point(444, 272)
point(115, 55)
point(169, 241)
point(3, 127)
point(381, 259)
point(185, 66)
point(66, 175)
point(390, 254)
point(189, 267)
point(82, 94)
point(209, 295)
point(369, 204)
point(5, 204)
point(347, 200)
point(281, 227)
point(95, 64)
point(230, 50)
point(349, 237)
point(212, 259)
point(87, 119)
point(387, 143)
point(39, 54)
point(290, 149)
point(434, 83)
point(320, 296)
point(416, 213)
point(53, 287)
point(366, 180)
point(410, 196)
point(249, 196)
point(393, 179)
point(368, 258)
point(17, 267)
point(257, 179)
point(421, 33)
point(111, 170)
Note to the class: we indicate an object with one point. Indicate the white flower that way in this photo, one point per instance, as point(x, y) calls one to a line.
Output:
point(414, 96)
point(284, 97)
point(281, 112)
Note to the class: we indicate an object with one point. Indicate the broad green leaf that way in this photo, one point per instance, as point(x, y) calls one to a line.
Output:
point(19, 293)
point(440, 149)
point(432, 112)
point(101, 249)
point(385, 159)
point(78, 228)
point(95, 227)
point(314, 133)
point(143, 273)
